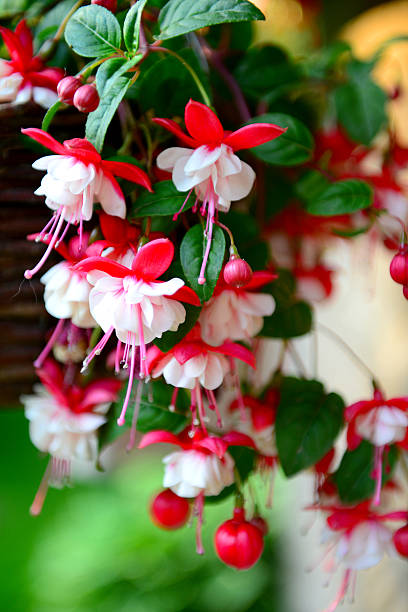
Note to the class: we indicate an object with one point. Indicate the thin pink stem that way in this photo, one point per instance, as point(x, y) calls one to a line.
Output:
point(143, 366)
point(47, 349)
point(30, 273)
point(211, 212)
point(184, 203)
point(121, 419)
point(97, 349)
point(52, 222)
point(173, 400)
point(201, 412)
point(117, 357)
point(132, 436)
point(378, 456)
point(39, 498)
point(342, 592)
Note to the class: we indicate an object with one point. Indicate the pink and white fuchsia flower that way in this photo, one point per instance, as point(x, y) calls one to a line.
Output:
point(202, 466)
point(382, 422)
point(236, 313)
point(77, 177)
point(24, 76)
point(357, 538)
point(134, 304)
point(64, 419)
point(210, 165)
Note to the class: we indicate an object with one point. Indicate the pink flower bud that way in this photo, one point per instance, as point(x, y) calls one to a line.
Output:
point(86, 99)
point(111, 5)
point(238, 543)
point(237, 272)
point(67, 87)
point(399, 267)
point(400, 539)
point(169, 511)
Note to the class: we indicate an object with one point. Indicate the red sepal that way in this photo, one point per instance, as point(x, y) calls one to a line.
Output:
point(217, 446)
point(187, 295)
point(253, 135)
point(153, 259)
point(203, 124)
point(259, 279)
point(113, 268)
point(45, 139)
point(235, 350)
point(174, 128)
point(129, 172)
point(236, 438)
point(160, 436)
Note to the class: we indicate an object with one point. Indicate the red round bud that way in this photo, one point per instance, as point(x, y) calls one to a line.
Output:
point(169, 511)
point(400, 539)
point(86, 99)
point(238, 543)
point(111, 5)
point(399, 268)
point(259, 521)
point(237, 272)
point(67, 87)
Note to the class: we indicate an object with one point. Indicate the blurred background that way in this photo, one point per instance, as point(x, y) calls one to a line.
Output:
point(94, 548)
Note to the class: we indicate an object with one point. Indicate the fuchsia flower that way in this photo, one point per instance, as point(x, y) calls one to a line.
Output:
point(236, 313)
point(381, 422)
point(202, 466)
point(25, 76)
point(134, 304)
point(358, 539)
point(313, 284)
point(77, 177)
point(64, 419)
point(210, 165)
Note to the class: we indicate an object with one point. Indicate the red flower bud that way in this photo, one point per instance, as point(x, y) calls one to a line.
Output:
point(169, 511)
point(67, 87)
point(259, 521)
point(111, 5)
point(238, 543)
point(399, 267)
point(400, 539)
point(237, 272)
point(86, 98)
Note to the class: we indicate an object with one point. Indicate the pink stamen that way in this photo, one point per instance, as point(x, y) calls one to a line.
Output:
point(97, 349)
point(143, 366)
point(213, 406)
point(126, 351)
point(173, 400)
point(199, 509)
point(195, 206)
point(342, 592)
point(201, 412)
point(80, 230)
point(237, 386)
point(38, 503)
point(211, 209)
point(30, 273)
point(121, 419)
point(184, 203)
point(117, 357)
point(378, 456)
point(61, 238)
point(193, 408)
point(48, 347)
point(132, 436)
point(52, 222)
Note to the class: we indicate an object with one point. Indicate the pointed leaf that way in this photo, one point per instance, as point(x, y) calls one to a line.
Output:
point(340, 198)
point(165, 200)
point(131, 27)
point(93, 31)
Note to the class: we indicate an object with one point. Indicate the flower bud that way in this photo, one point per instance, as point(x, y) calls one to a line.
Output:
point(169, 511)
point(67, 87)
point(399, 268)
point(237, 272)
point(111, 5)
point(400, 539)
point(259, 521)
point(238, 543)
point(86, 98)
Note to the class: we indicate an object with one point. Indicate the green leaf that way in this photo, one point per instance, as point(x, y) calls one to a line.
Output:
point(244, 458)
point(341, 198)
point(154, 411)
point(93, 31)
point(166, 200)
point(307, 423)
point(291, 322)
point(182, 16)
point(311, 185)
point(131, 27)
point(170, 338)
point(360, 104)
point(192, 254)
point(112, 83)
point(292, 148)
point(353, 477)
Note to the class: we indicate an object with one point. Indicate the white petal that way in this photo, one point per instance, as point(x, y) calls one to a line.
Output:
point(111, 200)
point(201, 158)
point(44, 97)
point(167, 158)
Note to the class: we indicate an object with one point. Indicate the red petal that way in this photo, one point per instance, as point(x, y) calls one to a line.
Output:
point(353, 439)
point(253, 135)
point(185, 294)
point(83, 150)
point(49, 78)
point(14, 47)
point(24, 35)
point(153, 259)
point(99, 392)
point(158, 436)
point(236, 438)
point(214, 445)
point(259, 279)
point(187, 350)
point(104, 265)
point(174, 128)
point(45, 139)
point(235, 350)
point(128, 172)
point(153, 356)
point(353, 410)
point(113, 228)
point(203, 124)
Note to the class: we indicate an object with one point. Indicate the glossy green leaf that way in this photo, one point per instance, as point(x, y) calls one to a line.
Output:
point(341, 198)
point(112, 82)
point(93, 31)
point(292, 148)
point(131, 27)
point(182, 16)
point(353, 477)
point(307, 423)
point(192, 253)
point(166, 200)
point(290, 322)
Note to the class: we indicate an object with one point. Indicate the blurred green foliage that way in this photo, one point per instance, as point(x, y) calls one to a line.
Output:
point(93, 548)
